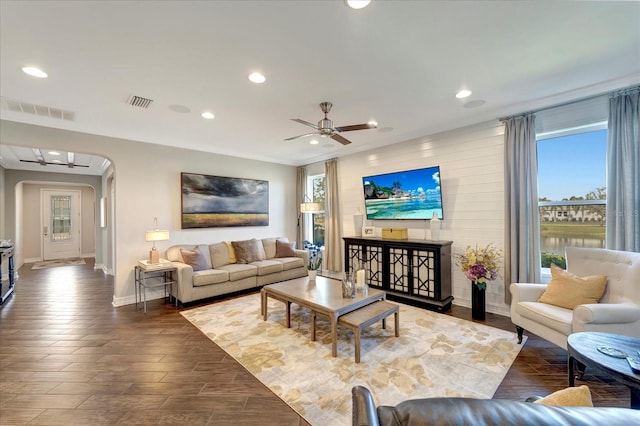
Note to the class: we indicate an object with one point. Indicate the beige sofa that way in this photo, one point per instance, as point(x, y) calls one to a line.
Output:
point(224, 274)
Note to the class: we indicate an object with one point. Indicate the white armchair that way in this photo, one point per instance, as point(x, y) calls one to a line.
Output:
point(618, 311)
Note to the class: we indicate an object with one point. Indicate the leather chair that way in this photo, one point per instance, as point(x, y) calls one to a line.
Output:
point(469, 411)
point(617, 312)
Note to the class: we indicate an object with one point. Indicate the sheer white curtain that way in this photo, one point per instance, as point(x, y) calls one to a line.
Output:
point(522, 224)
point(332, 243)
point(301, 186)
point(623, 171)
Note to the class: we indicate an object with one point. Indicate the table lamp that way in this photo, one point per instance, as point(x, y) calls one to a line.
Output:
point(155, 235)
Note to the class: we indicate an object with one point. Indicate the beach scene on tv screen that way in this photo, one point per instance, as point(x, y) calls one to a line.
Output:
point(411, 194)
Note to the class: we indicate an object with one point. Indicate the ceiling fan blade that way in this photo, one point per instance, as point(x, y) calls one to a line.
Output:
point(343, 141)
point(356, 127)
point(306, 123)
point(300, 136)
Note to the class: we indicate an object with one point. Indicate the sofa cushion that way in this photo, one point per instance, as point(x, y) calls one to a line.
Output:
point(266, 267)
point(578, 396)
point(238, 271)
point(232, 252)
point(554, 317)
point(209, 276)
point(248, 251)
point(219, 254)
point(290, 262)
point(285, 249)
point(568, 290)
point(269, 245)
point(194, 258)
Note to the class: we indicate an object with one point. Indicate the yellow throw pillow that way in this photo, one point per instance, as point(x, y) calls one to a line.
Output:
point(232, 252)
point(570, 397)
point(568, 290)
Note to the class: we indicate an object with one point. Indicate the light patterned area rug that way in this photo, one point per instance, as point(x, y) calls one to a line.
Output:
point(55, 263)
point(435, 355)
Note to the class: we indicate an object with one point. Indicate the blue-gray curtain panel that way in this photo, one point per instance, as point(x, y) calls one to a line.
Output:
point(522, 222)
point(623, 171)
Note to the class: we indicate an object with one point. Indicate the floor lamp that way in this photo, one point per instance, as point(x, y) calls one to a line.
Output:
point(307, 207)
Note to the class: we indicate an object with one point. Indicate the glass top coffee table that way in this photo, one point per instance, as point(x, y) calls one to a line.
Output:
point(583, 347)
point(323, 296)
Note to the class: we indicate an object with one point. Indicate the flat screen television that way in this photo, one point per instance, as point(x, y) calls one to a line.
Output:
point(409, 194)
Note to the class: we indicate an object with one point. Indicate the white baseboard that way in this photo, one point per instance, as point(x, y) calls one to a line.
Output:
point(103, 268)
point(131, 299)
point(86, 255)
point(33, 259)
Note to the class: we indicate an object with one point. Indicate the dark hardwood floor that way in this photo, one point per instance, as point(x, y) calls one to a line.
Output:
point(67, 356)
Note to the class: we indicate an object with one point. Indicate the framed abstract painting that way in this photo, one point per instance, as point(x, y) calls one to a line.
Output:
point(215, 201)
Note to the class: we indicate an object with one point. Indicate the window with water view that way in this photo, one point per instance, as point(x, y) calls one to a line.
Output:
point(572, 191)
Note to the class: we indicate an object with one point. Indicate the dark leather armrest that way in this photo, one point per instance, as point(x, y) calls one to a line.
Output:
point(364, 407)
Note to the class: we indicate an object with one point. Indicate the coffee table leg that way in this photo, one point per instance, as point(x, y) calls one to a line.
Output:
point(571, 364)
point(334, 335)
point(265, 305)
point(313, 326)
point(635, 398)
point(288, 314)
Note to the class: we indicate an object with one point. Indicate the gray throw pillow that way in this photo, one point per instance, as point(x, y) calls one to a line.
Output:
point(194, 258)
point(285, 249)
point(248, 251)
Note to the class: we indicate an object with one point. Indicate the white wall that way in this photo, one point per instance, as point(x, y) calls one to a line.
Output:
point(147, 185)
point(472, 182)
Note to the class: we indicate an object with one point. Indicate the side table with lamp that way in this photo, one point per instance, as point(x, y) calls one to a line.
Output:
point(154, 272)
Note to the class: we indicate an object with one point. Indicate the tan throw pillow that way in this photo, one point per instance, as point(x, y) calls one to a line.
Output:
point(568, 290)
point(232, 252)
point(194, 258)
point(285, 249)
point(248, 251)
point(570, 397)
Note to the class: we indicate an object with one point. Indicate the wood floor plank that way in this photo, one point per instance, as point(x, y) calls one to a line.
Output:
point(67, 356)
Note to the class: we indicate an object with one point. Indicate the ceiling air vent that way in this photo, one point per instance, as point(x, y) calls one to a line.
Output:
point(39, 110)
point(139, 101)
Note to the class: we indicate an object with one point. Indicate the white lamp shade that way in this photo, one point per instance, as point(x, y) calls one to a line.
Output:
point(310, 208)
point(156, 235)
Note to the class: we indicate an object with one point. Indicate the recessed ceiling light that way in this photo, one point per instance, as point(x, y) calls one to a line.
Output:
point(314, 142)
point(357, 4)
point(54, 153)
point(256, 77)
point(463, 94)
point(34, 72)
point(208, 115)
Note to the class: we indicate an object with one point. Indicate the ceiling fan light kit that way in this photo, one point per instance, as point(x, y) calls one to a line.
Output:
point(325, 126)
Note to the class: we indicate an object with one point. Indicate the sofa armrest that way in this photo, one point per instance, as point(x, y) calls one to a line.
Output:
point(364, 408)
point(526, 292)
point(184, 281)
point(304, 255)
point(606, 313)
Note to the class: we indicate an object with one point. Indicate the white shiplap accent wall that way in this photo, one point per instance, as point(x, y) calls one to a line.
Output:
point(471, 161)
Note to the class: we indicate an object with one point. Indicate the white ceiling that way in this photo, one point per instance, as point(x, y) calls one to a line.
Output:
point(399, 63)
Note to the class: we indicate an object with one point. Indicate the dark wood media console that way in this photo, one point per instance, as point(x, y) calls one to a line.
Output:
point(415, 272)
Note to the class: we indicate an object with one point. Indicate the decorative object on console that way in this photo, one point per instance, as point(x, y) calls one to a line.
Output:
point(155, 235)
point(395, 233)
point(368, 231)
point(214, 201)
point(479, 265)
point(357, 224)
point(435, 226)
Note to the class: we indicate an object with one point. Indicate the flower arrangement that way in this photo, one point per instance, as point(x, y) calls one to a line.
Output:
point(314, 266)
point(480, 264)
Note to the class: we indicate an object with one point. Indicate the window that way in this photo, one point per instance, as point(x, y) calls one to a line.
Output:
point(572, 191)
point(60, 217)
point(315, 230)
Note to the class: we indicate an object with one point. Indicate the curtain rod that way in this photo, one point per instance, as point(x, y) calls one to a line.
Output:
point(588, 98)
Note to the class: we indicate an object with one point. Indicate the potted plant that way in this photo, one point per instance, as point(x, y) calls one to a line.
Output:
point(313, 267)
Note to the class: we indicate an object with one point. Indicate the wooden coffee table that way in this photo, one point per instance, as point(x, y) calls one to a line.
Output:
point(583, 348)
point(323, 296)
